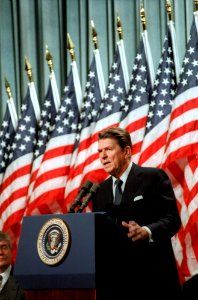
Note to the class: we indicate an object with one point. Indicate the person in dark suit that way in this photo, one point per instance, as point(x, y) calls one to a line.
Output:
point(190, 288)
point(9, 287)
point(147, 214)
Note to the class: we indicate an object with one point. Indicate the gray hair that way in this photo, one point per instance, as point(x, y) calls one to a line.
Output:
point(5, 237)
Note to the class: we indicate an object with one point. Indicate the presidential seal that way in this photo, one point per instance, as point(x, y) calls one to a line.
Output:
point(53, 241)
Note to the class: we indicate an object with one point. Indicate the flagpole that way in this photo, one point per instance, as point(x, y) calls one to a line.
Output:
point(28, 69)
point(196, 13)
point(146, 45)
point(71, 47)
point(94, 35)
point(11, 105)
point(78, 89)
point(49, 59)
point(120, 44)
point(196, 5)
point(173, 37)
point(98, 60)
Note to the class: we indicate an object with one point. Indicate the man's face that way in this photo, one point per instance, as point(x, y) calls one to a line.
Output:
point(5, 256)
point(114, 159)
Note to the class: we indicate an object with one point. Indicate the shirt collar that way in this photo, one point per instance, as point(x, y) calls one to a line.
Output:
point(5, 275)
point(124, 176)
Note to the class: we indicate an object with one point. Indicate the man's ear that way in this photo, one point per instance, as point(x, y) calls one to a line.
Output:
point(128, 151)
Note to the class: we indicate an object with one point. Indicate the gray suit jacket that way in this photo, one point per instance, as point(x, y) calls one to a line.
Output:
point(12, 290)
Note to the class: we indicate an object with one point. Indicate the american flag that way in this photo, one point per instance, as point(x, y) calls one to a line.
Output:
point(109, 115)
point(183, 131)
point(180, 159)
point(92, 101)
point(48, 113)
point(7, 132)
point(160, 106)
point(49, 186)
point(135, 111)
point(17, 174)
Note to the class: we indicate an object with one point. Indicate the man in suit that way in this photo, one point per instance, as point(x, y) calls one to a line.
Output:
point(9, 287)
point(147, 213)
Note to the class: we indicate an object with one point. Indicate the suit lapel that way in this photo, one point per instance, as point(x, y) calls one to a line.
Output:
point(12, 287)
point(109, 192)
point(132, 183)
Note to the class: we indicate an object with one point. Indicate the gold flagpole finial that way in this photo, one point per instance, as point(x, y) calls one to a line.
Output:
point(169, 10)
point(70, 47)
point(49, 59)
point(196, 5)
point(143, 17)
point(28, 69)
point(119, 28)
point(94, 35)
point(8, 89)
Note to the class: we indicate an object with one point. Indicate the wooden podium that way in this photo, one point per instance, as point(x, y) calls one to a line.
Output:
point(96, 266)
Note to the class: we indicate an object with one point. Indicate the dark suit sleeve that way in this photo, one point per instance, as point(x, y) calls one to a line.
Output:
point(165, 207)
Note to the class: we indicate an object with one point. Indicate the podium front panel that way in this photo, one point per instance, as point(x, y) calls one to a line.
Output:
point(98, 253)
point(78, 267)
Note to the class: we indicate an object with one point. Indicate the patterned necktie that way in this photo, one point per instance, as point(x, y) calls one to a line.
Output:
point(118, 192)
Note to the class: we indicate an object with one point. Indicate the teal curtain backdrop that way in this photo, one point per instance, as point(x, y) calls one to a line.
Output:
point(27, 26)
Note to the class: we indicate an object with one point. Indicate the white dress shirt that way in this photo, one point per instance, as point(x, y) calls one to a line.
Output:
point(5, 276)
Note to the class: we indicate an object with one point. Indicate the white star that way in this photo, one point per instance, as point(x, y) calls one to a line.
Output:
point(148, 125)
point(22, 127)
point(184, 82)
point(5, 124)
point(137, 99)
point(114, 98)
point(117, 77)
point(68, 100)
point(189, 72)
point(143, 68)
point(160, 113)
point(40, 143)
point(111, 86)
point(43, 133)
point(133, 87)
point(47, 103)
point(115, 65)
point(23, 107)
point(60, 130)
point(27, 139)
point(65, 122)
point(27, 119)
point(142, 89)
point(62, 109)
point(22, 147)
point(109, 107)
point(162, 103)
point(165, 81)
point(32, 130)
point(191, 50)
point(18, 136)
point(139, 56)
point(150, 114)
point(91, 74)
point(120, 90)
point(163, 92)
point(70, 113)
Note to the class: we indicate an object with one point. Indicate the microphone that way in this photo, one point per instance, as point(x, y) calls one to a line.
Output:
point(83, 191)
point(92, 191)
